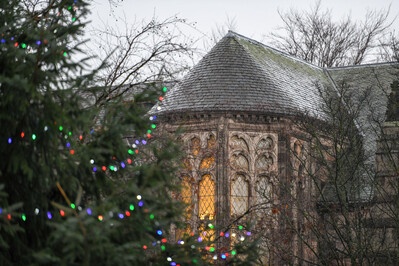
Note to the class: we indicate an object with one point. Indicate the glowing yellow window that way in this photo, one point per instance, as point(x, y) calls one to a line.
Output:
point(195, 146)
point(207, 162)
point(206, 198)
point(186, 196)
point(211, 142)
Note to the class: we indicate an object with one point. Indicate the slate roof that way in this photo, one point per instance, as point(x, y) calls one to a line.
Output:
point(369, 87)
point(240, 74)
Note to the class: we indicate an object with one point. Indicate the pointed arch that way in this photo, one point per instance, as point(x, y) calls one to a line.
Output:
point(195, 146)
point(239, 143)
point(265, 143)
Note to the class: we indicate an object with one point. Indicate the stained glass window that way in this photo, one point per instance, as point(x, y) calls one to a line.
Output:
point(206, 198)
point(239, 195)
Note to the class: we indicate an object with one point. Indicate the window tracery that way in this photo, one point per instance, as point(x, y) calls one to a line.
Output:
point(195, 146)
point(253, 158)
point(265, 143)
point(207, 163)
point(238, 143)
point(198, 184)
point(299, 161)
point(264, 162)
point(211, 142)
point(239, 162)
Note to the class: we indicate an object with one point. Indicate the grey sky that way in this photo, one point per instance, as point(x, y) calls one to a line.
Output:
point(254, 18)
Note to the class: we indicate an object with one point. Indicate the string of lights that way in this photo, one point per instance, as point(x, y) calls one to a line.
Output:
point(70, 139)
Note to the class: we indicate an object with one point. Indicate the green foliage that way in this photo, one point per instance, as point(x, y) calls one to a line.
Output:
point(72, 192)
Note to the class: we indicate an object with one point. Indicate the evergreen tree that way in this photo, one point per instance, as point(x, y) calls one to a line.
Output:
point(72, 192)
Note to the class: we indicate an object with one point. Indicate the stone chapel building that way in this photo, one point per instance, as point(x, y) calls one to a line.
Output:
point(238, 110)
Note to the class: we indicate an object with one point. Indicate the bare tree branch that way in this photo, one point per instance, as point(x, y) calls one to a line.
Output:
point(153, 51)
point(316, 38)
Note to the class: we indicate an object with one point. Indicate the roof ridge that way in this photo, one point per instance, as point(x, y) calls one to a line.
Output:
point(231, 33)
point(364, 65)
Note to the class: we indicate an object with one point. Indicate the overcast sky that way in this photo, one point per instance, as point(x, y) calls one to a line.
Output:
point(253, 18)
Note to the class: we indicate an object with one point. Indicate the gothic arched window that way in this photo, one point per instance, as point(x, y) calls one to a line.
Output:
point(186, 196)
point(206, 198)
point(239, 195)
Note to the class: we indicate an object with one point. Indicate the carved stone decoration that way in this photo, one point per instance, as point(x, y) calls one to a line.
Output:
point(211, 142)
point(239, 162)
point(238, 143)
point(252, 155)
point(265, 143)
point(298, 161)
point(264, 162)
point(226, 173)
point(198, 177)
point(195, 146)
